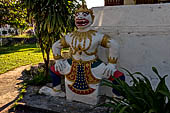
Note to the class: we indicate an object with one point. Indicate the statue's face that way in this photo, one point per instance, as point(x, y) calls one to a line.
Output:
point(83, 20)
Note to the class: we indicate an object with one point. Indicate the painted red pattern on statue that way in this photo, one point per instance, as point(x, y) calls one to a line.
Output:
point(81, 92)
point(117, 74)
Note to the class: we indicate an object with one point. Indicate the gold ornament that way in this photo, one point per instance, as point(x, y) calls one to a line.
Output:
point(105, 41)
point(81, 61)
point(84, 8)
point(90, 79)
point(78, 37)
point(57, 57)
point(112, 60)
point(63, 43)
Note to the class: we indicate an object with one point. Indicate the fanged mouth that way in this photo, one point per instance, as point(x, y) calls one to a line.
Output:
point(82, 22)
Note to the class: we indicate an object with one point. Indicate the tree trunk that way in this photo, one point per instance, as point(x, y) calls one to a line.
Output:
point(47, 61)
point(46, 73)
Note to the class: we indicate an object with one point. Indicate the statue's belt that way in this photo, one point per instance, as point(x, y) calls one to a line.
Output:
point(94, 63)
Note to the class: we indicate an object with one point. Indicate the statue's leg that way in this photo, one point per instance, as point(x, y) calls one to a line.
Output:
point(56, 79)
point(119, 75)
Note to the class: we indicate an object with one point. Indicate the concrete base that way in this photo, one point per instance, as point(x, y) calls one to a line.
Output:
point(55, 104)
point(91, 99)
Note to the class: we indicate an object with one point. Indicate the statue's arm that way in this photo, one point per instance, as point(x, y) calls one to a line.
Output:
point(56, 48)
point(113, 47)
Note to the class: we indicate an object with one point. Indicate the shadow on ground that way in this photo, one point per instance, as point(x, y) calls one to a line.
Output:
point(17, 48)
point(4, 108)
point(27, 109)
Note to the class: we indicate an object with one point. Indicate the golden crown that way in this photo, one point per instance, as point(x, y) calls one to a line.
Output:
point(84, 8)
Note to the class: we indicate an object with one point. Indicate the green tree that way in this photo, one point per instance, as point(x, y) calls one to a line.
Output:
point(53, 19)
point(13, 13)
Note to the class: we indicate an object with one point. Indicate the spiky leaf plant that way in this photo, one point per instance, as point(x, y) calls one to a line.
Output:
point(140, 97)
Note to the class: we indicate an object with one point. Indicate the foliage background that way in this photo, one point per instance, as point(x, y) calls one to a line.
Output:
point(53, 19)
point(13, 13)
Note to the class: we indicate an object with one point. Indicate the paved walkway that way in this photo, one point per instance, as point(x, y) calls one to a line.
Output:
point(9, 84)
point(33, 103)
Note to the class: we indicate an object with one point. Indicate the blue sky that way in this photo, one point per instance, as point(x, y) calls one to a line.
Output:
point(94, 3)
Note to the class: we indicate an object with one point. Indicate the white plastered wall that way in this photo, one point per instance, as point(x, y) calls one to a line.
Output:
point(143, 32)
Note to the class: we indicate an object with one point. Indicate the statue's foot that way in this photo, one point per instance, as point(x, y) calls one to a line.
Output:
point(51, 92)
point(57, 88)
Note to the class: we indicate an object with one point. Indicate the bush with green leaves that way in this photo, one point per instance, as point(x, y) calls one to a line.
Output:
point(35, 76)
point(39, 80)
point(140, 97)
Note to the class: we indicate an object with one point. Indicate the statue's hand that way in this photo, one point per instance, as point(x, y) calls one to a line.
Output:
point(59, 65)
point(109, 70)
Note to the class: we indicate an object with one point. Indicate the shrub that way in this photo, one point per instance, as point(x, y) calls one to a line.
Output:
point(39, 80)
point(35, 76)
point(140, 97)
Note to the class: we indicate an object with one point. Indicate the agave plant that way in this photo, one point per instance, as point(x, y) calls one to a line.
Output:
point(140, 97)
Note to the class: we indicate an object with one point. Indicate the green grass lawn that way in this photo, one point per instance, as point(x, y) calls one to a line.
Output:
point(19, 55)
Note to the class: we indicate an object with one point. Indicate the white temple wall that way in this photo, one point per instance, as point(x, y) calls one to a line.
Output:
point(143, 32)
